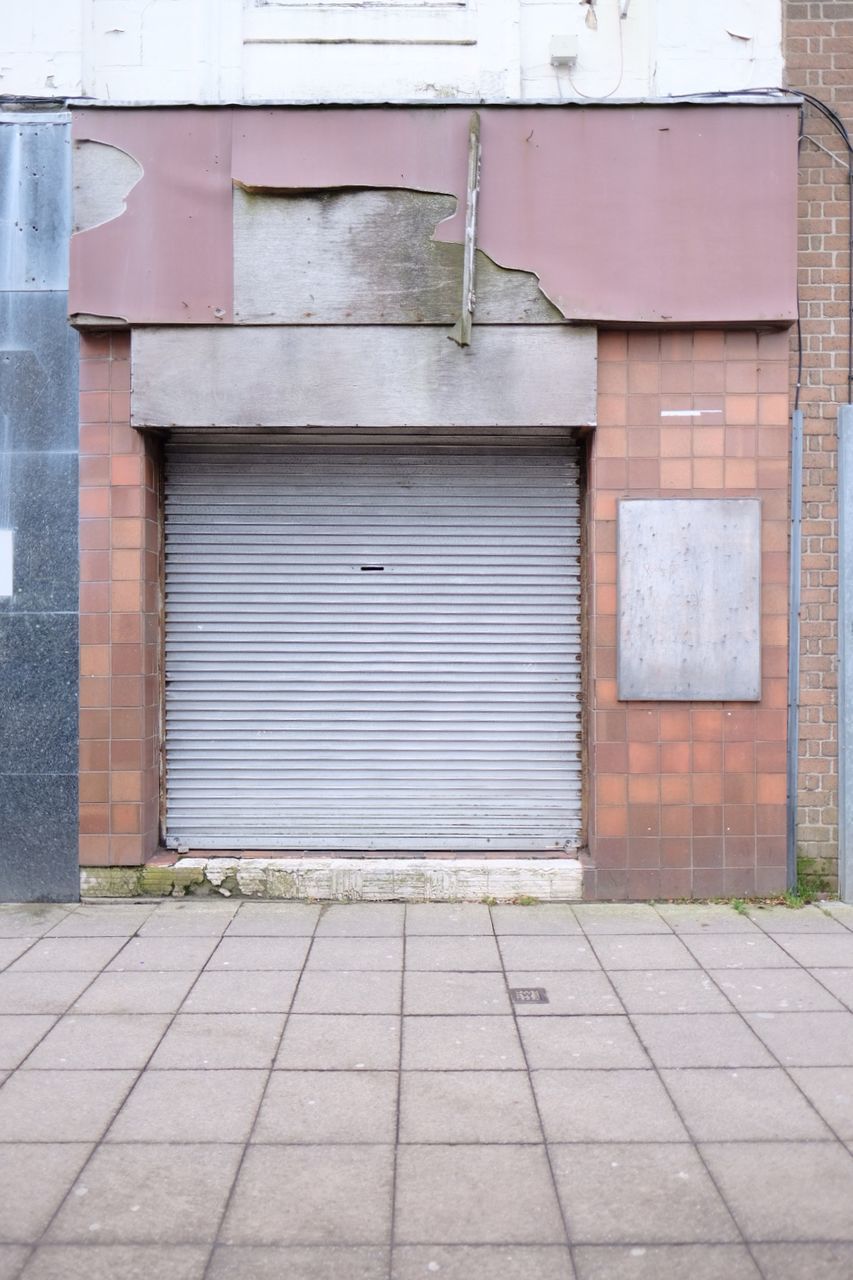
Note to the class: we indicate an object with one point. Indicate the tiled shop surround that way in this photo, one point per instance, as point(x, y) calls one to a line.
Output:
point(683, 799)
point(119, 614)
point(216, 1089)
point(689, 798)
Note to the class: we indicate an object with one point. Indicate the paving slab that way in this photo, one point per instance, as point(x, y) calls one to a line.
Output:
point(739, 951)
point(640, 951)
point(501, 1194)
point(597, 918)
point(19, 1034)
point(329, 1106)
point(814, 950)
point(551, 919)
point(247, 991)
point(478, 954)
point(29, 920)
point(362, 920)
point(775, 990)
point(805, 1261)
point(61, 1106)
point(349, 992)
point(11, 948)
point(65, 955)
point(314, 1262)
point(274, 920)
point(669, 991)
point(666, 1262)
point(783, 920)
point(148, 1194)
point(606, 1106)
point(135, 993)
point(640, 1193)
point(742, 1104)
point(830, 1091)
point(157, 954)
point(806, 1039)
point(468, 1107)
point(343, 1194)
point(103, 921)
point(34, 1180)
point(95, 1041)
point(441, 919)
point(840, 911)
point(786, 1190)
point(704, 917)
point(190, 1106)
point(839, 982)
point(569, 992)
point(220, 1040)
point(443, 993)
point(356, 953)
point(340, 1042)
point(184, 922)
point(12, 1259)
point(31, 993)
point(526, 952)
point(486, 1262)
point(700, 1040)
point(596, 1042)
point(461, 1044)
point(259, 953)
point(117, 1262)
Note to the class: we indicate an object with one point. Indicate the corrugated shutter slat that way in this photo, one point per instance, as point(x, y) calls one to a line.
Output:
point(372, 647)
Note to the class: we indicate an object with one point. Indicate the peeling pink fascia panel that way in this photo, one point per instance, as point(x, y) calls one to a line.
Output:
point(660, 215)
point(678, 214)
point(168, 258)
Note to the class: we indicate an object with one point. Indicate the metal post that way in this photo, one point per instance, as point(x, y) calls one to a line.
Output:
point(794, 639)
point(845, 652)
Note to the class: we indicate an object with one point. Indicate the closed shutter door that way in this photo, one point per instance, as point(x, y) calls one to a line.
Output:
point(372, 648)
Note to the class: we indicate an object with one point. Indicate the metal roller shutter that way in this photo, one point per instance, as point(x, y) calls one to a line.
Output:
point(372, 647)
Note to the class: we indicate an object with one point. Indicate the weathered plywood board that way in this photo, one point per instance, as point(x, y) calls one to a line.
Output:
point(365, 257)
point(689, 599)
point(369, 376)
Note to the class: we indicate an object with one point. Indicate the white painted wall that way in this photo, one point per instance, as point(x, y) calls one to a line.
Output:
point(214, 51)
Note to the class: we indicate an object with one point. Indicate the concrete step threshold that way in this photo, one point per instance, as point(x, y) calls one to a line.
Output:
point(320, 879)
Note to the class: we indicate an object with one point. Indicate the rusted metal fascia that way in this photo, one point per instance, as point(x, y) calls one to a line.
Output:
point(461, 331)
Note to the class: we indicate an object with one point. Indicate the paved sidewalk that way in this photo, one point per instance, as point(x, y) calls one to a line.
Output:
point(262, 1090)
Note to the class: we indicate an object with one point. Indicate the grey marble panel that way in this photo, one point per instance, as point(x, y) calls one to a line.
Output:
point(38, 693)
point(689, 599)
point(42, 509)
point(35, 216)
point(38, 372)
point(38, 838)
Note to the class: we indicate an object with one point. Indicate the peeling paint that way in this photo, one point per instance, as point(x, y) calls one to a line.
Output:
point(679, 214)
point(103, 177)
point(345, 879)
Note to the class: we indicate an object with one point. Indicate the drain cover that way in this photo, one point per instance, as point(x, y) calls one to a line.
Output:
point(528, 995)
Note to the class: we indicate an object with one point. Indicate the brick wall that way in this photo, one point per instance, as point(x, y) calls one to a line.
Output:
point(818, 41)
point(689, 798)
point(119, 615)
